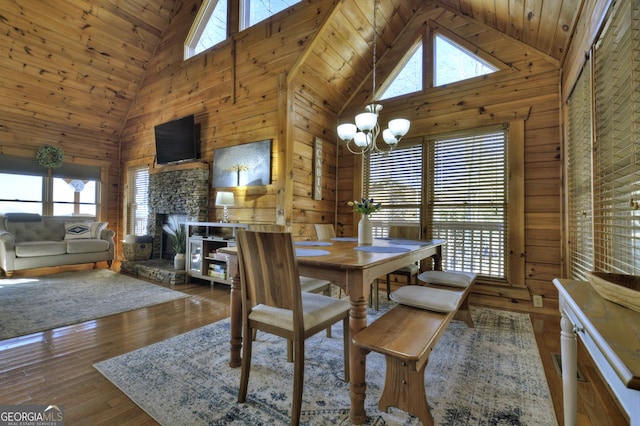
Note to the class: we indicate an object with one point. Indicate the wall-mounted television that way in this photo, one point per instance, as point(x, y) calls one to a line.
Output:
point(177, 140)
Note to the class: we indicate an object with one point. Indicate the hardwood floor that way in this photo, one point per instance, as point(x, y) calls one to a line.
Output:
point(56, 366)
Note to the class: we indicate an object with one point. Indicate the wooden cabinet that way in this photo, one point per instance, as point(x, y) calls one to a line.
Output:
point(202, 259)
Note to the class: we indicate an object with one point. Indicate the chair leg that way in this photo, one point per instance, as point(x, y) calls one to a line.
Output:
point(327, 292)
point(298, 380)
point(247, 342)
point(388, 287)
point(345, 327)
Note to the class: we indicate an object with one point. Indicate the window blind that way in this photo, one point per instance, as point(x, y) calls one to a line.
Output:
point(395, 180)
point(468, 201)
point(579, 213)
point(616, 177)
point(138, 201)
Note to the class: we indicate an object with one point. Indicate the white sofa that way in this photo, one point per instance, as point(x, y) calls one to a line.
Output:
point(33, 241)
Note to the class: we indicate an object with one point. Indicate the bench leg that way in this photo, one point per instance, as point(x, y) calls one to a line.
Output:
point(463, 313)
point(404, 389)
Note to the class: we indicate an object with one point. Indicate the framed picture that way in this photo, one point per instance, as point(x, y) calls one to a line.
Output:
point(242, 165)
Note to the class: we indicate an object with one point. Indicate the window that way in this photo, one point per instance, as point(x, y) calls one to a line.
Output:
point(579, 207)
point(455, 63)
point(395, 180)
point(25, 186)
point(451, 63)
point(465, 189)
point(254, 11)
point(616, 145)
point(138, 201)
point(468, 202)
point(408, 76)
point(210, 26)
point(21, 193)
point(208, 29)
point(74, 197)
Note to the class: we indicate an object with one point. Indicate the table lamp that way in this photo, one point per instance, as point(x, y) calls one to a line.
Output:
point(224, 199)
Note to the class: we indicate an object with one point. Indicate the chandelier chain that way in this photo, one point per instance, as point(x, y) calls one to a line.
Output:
point(375, 37)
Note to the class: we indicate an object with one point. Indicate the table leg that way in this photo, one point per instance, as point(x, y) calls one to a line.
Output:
point(568, 352)
point(235, 313)
point(357, 358)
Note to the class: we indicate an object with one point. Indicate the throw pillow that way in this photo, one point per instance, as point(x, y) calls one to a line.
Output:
point(97, 228)
point(77, 230)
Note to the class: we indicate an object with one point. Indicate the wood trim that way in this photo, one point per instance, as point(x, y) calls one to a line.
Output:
point(587, 30)
point(516, 190)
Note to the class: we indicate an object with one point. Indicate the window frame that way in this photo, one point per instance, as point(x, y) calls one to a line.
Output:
point(135, 192)
point(515, 261)
point(13, 165)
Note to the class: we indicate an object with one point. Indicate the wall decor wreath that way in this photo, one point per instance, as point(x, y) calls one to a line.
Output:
point(49, 156)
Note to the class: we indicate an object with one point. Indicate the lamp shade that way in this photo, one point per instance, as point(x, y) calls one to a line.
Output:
point(224, 198)
point(347, 131)
point(389, 138)
point(399, 127)
point(366, 121)
point(361, 139)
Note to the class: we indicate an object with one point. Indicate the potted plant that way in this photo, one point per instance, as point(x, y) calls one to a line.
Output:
point(177, 233)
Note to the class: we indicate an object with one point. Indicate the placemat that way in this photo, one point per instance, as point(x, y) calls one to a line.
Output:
point(344, 239)
point(313, 243)
point(400, 241)
point(383, 249)
point(310, 252)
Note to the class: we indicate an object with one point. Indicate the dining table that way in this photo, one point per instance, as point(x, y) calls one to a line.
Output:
point(353, 268)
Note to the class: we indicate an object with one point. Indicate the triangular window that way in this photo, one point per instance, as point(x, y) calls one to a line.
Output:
point(407, 77)
point(208, 29)
point(210, 26)
point(254, 11)
point(455, 63)
point(452, 63)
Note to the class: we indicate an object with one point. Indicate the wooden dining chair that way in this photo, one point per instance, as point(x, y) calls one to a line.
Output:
point(408, 232)
point(274, 303)
point(308, 284)
point(325, 231)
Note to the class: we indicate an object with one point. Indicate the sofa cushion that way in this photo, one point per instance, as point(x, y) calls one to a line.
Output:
point(77, 230)
point(40, 248)
point(97, 228)
point(87, 246)
point(23, 217)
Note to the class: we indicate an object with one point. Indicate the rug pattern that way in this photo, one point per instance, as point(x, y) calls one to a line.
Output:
point(489, 375)
point(42, 303)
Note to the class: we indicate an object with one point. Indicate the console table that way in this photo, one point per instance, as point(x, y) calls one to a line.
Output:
point(202, 259)
point(611, 334)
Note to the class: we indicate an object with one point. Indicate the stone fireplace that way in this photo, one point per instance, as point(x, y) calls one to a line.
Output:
point(181, 190)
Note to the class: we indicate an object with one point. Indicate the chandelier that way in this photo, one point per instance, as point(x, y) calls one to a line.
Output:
point(362, 137)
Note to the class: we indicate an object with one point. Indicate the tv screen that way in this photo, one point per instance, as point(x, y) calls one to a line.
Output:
point(176, 140)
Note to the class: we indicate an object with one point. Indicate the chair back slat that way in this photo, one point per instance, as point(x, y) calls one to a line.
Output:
point(325, 231)
point(268, 269)
point(410, 232)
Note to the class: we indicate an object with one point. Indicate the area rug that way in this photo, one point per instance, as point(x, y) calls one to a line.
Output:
point(41, 303)
point(489, 375)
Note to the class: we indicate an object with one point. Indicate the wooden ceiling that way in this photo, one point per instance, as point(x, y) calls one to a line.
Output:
point(546, 25)
point(75, 66)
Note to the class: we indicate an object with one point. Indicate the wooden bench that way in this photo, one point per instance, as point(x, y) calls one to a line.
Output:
point(452, 279)
point(406, 337)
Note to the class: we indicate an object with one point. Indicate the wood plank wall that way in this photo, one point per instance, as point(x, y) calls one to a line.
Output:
point(234, 92)
point(70, 83)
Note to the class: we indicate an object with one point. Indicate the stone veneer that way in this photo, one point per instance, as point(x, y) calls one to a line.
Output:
point(177, 191)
